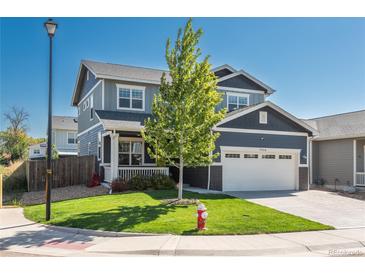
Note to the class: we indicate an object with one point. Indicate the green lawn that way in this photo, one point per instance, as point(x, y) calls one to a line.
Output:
point(143, 212)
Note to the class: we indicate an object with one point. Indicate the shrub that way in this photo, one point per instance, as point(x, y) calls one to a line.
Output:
point(140, 182)
point(162, 182)
point(156, 182)
point(119, 185)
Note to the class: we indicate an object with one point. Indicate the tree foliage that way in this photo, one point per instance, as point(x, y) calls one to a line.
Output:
point(184, 110)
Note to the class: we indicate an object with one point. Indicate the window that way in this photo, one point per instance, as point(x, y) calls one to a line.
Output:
point(232, 155)
point(130, 152)
point(71, 138)
point(36, 151)
point(236, 101)
point(91, 107)
point(99, 145)
point(255, 156)
point(263, 117)
point(87, 76)
point(85, 105)
point(288, 157)
point(130, 97)
point(268, 156)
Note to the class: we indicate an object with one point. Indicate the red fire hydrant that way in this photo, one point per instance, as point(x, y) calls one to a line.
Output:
point(202, 216)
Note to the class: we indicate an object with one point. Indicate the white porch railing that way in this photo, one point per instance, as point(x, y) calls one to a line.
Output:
point(360, 178)
point(107, 173)
point(127, 173)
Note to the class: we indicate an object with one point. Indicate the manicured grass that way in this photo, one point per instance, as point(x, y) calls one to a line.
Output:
point(143, 212)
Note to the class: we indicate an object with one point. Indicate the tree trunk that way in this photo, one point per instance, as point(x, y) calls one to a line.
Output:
point(181, 169)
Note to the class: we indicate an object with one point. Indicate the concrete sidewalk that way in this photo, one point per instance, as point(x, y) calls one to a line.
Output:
point(20, 236)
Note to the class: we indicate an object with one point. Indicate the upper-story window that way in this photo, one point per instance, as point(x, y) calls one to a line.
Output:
point(71, 138)
point(236, 101)
point(131, 97)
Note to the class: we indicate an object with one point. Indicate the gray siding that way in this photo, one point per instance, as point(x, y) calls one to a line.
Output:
point(222, 73)
point(87, 84)
point(92, 137)
point(333, 160)
point(61, 142)
point(110, 93)
point(303, 178)
point(275, 121)
point(264, 141)
point(241, 81)
point(84, 121)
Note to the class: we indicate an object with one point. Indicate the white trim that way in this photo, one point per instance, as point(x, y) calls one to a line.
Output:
point(225, 66)
point(258, 131)
point(363, 156)
point(310, 161)
point(354, 162)
point(236, 94)
point(87, 75)
point(243, 90)
point(130, 87)
point(88, 129)
point(303, 165)
point(102, 94)
point(263, 117)
point(141, 81)
point(86, 66)
point(273, 106)
point(244, 73)
point(75, 134)
point(92, 107)
point(89, 92)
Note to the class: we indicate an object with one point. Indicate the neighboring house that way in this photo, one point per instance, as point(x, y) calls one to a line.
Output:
point(262, 147)
point(64, 136)
point(339, 149)
point(38, 151)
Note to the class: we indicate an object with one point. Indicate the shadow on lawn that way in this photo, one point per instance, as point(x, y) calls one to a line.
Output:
point(171, 194)
point(118, 219)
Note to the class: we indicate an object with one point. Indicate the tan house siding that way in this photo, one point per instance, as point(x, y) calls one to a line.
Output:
point(333, 159)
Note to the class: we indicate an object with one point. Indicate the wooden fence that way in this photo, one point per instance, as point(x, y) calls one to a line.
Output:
point(66, 172)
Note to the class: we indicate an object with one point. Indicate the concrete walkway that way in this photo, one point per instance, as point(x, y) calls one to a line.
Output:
point(325, 207)
point(20, 236)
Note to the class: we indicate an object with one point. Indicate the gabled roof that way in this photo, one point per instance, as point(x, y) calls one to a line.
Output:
point(225, 66)
point(339, 126)
point(249, 76)
point(243, 111)
point(119, 120)
point(64, 122)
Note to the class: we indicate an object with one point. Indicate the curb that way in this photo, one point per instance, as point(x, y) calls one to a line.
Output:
point(99, 233)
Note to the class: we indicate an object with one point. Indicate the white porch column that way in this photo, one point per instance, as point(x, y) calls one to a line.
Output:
point(354, 162)
point(114, 154)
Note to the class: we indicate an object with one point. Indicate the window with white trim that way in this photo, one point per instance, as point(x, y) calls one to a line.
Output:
point(268, 156)
point(286, 157)
point(85, 105)
point(91, 107)
point(263, 117)
point(36, 151)
point(249, 156)
point(130, 97)
point(71, 138)
point(99, 145)
point(236, 101)
point(130, 152)
point(232, 155)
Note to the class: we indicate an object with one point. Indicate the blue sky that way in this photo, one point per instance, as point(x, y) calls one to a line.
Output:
point(317, 65)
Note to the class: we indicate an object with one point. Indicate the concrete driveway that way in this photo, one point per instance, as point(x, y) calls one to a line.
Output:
point(324, 207)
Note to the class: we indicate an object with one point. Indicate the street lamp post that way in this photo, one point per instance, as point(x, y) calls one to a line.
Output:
point(51, 29)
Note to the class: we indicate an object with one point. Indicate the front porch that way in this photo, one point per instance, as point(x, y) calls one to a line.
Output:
point(359, 162)
point(124, 155)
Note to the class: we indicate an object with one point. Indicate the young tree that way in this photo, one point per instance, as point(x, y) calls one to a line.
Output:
point(184, 110)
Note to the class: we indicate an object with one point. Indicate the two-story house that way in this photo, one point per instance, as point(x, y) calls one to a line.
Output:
point(64, 135)
point(261, 146)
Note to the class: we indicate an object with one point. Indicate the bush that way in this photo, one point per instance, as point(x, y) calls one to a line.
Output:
point(162, 182)
point(156, 182)
point(119, 185)
point(140, 182)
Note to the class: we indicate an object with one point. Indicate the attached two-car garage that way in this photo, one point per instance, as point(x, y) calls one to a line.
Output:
point(247, 169)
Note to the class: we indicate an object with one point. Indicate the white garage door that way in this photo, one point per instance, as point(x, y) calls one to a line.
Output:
point(258, 171)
